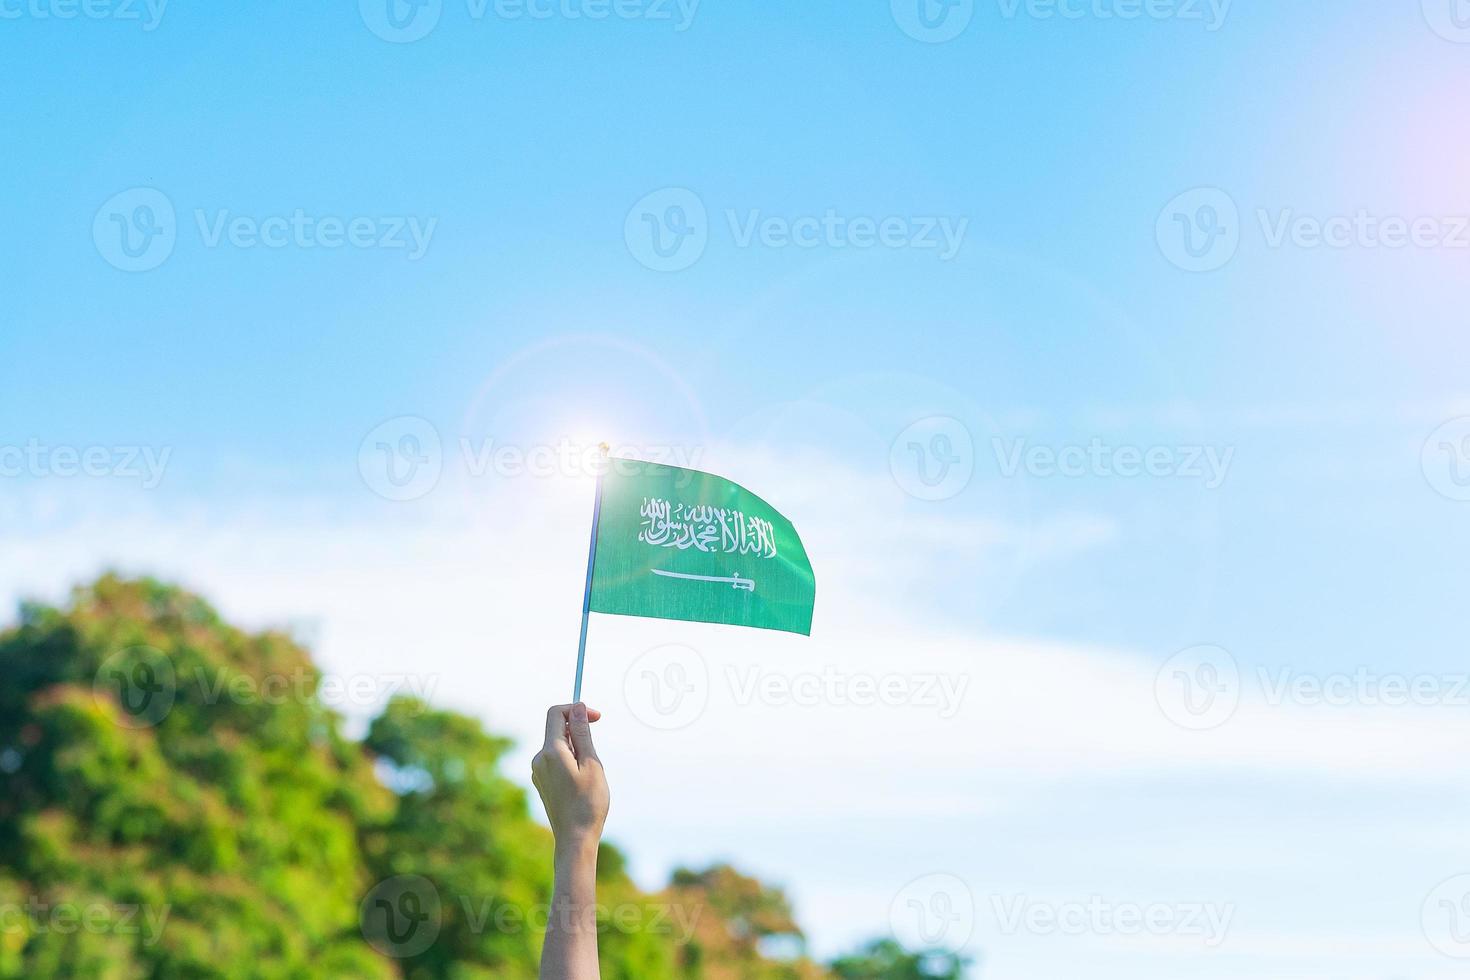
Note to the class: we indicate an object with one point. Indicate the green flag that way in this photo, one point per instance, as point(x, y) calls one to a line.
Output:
point(674, 543)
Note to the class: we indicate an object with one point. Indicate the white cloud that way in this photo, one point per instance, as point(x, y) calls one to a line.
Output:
point(476, 589)
point(488, 604)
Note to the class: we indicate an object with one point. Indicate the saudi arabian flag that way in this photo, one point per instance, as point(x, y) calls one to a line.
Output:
point(675, 543)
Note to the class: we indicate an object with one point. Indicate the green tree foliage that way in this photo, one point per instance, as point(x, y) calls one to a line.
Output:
point(176, 803)
point(225, 816)
point(467, 829)
point(735, 915)
point(885, 959)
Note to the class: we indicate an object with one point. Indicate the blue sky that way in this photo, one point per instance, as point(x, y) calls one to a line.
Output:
point(529, 151)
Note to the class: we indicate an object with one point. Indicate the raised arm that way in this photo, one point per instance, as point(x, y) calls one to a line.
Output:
point(573, 788)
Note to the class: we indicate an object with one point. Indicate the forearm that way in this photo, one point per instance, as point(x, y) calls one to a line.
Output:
point(569, 777)
point(570, 951)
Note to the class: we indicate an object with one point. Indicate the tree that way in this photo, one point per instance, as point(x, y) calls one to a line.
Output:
point(177, 803)
point(147, 778)
point(885, 959)
point(467, 829)
point(734, 916)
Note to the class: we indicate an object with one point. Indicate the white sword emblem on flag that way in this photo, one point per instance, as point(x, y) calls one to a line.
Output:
point(735, 580)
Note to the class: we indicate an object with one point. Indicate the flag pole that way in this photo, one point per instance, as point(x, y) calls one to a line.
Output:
point(587, 589)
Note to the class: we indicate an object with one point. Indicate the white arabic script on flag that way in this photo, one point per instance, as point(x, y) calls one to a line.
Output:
point(714, 529)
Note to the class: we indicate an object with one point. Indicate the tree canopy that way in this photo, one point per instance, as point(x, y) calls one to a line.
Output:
point(177, 803)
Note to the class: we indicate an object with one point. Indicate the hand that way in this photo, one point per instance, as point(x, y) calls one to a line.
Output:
point(569, 777)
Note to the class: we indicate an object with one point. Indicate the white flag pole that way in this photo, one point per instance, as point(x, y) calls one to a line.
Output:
point(587, 589)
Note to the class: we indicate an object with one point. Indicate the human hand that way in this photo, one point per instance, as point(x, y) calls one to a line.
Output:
point(569, 776)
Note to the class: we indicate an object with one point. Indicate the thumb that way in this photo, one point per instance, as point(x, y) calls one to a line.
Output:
point(581, 729)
